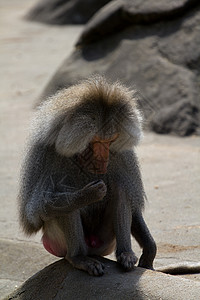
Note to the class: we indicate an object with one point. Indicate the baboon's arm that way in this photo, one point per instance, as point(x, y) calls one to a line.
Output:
point(57, 204)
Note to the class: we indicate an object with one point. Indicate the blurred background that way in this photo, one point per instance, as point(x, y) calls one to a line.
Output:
point(151, 46)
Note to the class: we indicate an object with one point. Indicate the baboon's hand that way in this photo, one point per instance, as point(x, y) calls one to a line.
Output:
point(95, 189)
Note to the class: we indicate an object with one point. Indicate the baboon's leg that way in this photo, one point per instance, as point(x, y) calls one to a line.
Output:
point(77, 248)
point(141, 233)
point(122, 226)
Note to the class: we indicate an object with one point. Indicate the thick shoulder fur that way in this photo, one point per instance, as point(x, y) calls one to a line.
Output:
point(31, 173)
point(70, 118)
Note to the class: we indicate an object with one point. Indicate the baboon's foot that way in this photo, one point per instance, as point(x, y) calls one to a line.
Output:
point(127, 260)
point(145, 262)
point(88, 264)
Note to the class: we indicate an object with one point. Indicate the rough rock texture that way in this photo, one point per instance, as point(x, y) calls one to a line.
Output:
point(119, 14)
point(65, 11)
point(61, 281)
point(152, 45)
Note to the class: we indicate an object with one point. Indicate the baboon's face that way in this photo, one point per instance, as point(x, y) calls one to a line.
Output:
point(95, 157)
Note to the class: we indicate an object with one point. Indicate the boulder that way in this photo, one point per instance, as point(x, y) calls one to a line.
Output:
point(119, 14)
point(181, 118)
point(61, 281)
point(65, 11)
point(153, 48)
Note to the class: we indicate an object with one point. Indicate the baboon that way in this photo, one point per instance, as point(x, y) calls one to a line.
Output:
point(81, 181)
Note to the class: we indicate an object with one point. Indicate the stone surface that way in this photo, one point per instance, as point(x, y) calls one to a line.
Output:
point(119, 14)
point(18, 262)
point(65, 11)
point(180, 118)
point(61, 281)
point(161, 60)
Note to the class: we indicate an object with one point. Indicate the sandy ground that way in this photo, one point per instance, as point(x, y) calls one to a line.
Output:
point(29, 55)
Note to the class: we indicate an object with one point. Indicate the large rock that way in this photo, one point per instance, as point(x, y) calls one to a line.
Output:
point(162, 59)
point(180, 118)
point(61, 281)
point(119, 14)
point(65, 11)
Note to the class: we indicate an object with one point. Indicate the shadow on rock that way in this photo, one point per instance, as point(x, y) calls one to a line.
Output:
point(61, 281)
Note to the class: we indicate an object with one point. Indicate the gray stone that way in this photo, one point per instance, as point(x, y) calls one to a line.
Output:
point(180, 118)
point(119, 14)
point(65, 11)
point(162, 60)
point(61, 281)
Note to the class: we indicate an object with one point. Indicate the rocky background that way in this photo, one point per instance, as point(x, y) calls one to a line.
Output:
point(151, 45)
point(65, 11)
